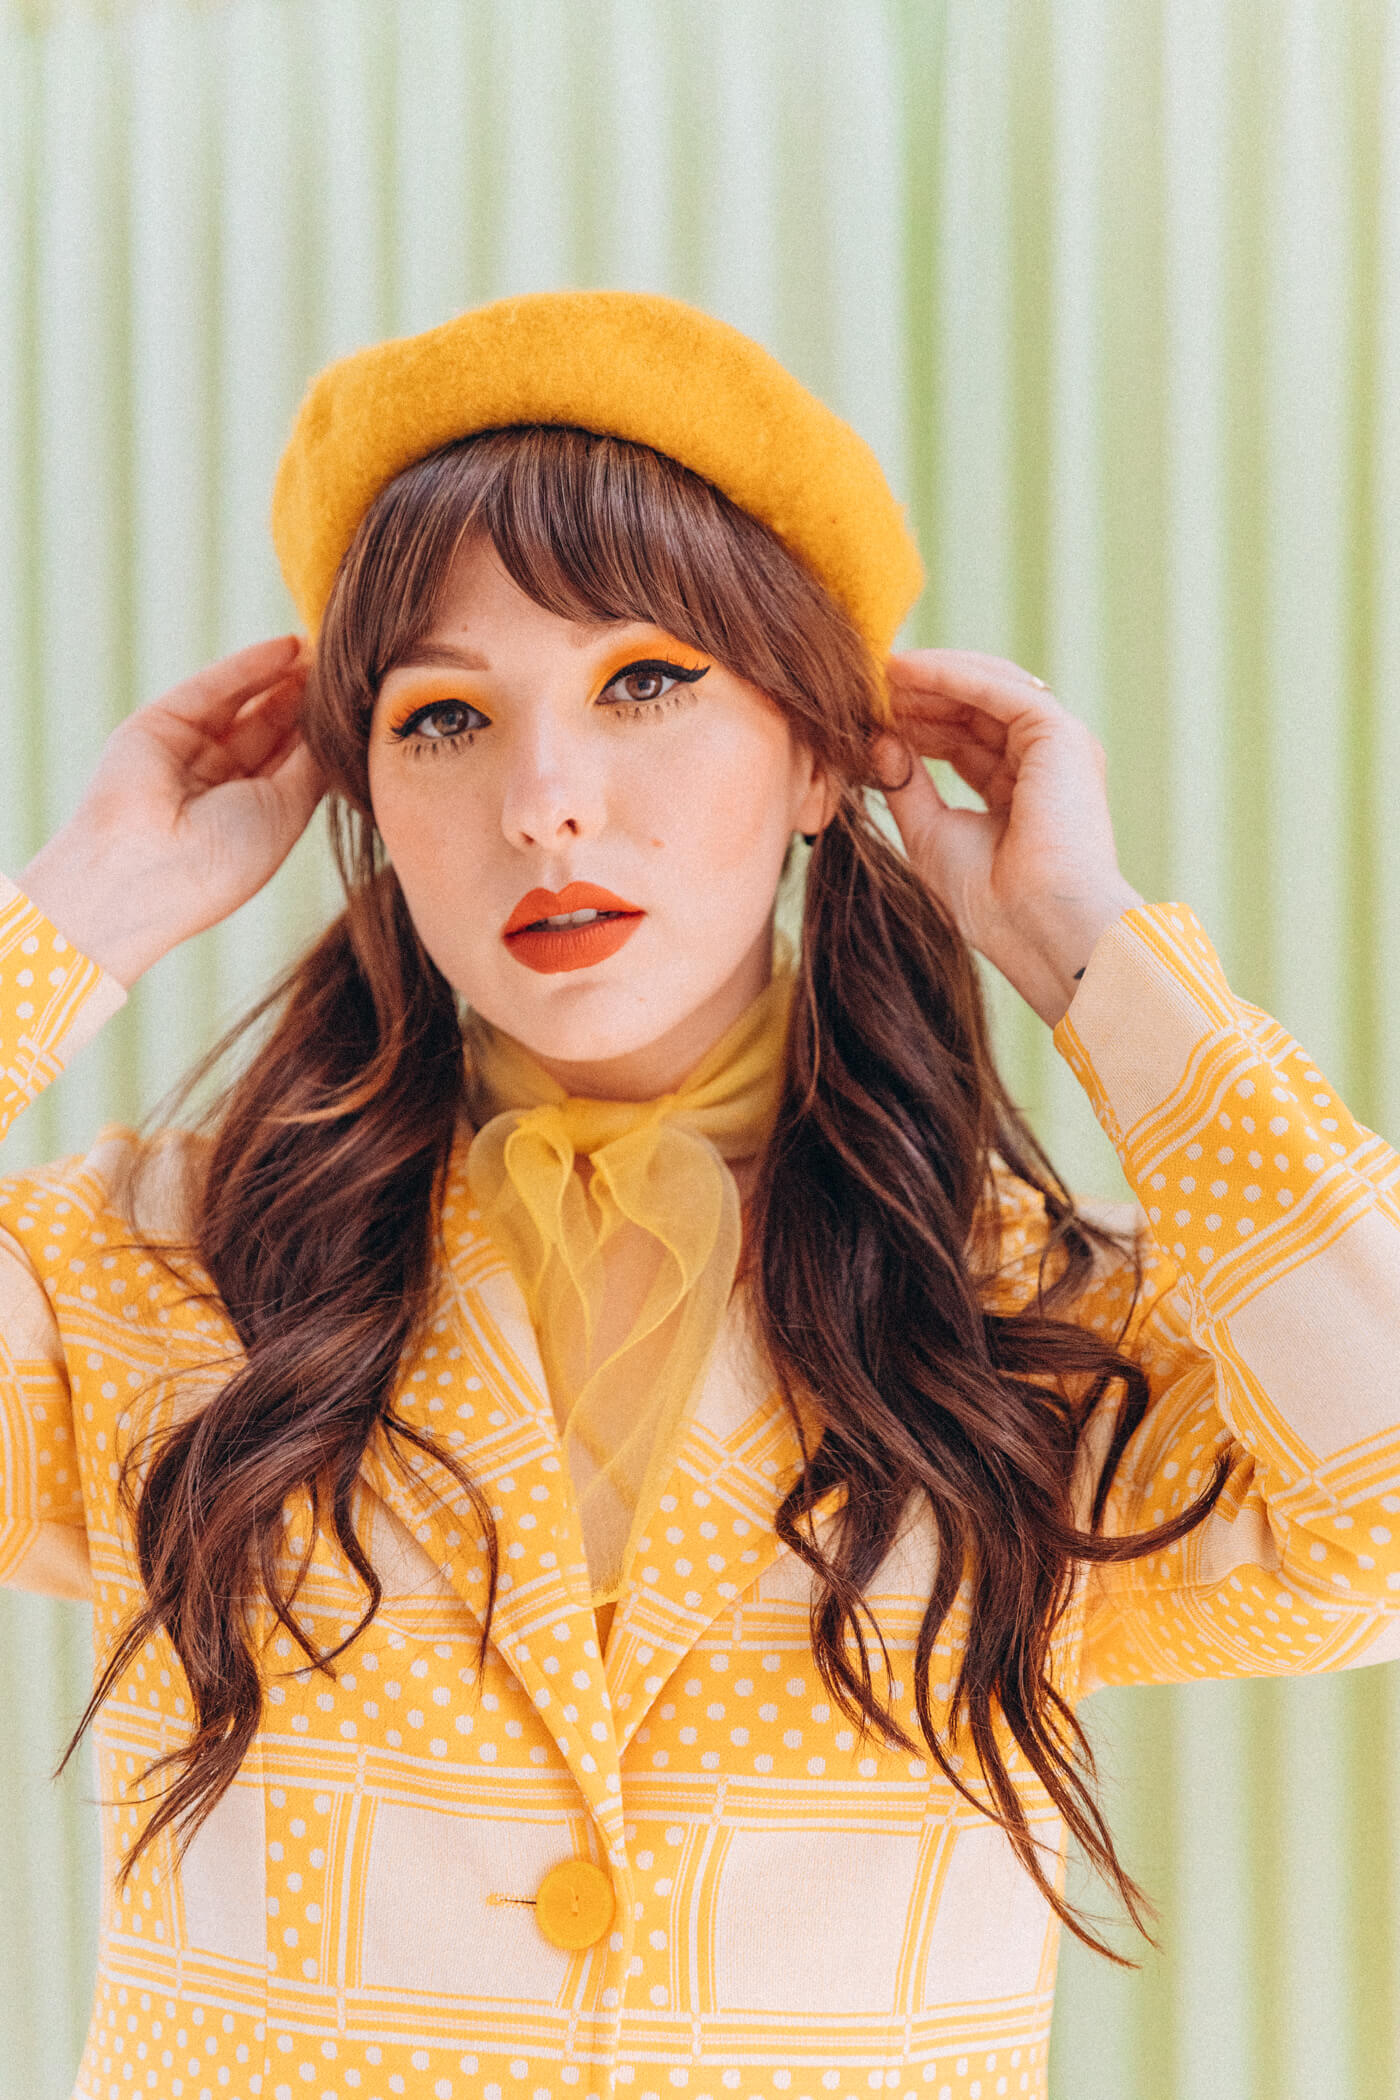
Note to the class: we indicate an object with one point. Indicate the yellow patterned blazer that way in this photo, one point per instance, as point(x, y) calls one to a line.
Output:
point(761, 1904)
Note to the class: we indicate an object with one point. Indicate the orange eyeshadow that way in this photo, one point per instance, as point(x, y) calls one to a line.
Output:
point(433, 683)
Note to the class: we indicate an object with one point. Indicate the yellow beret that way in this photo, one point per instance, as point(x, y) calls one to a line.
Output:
point(627, 364)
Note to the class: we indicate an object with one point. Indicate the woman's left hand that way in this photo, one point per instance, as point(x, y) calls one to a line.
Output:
point(1032, 880)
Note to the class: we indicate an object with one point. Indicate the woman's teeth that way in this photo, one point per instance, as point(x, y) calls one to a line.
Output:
point(571, 918)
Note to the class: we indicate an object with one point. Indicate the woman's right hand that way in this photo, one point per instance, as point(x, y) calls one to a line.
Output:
point(198, 798)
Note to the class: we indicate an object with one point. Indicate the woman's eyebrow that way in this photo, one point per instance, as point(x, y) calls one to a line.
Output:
point(446, 653)
point(429, 654)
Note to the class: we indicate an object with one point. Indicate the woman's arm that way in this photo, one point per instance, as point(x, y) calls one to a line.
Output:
point(197, 798)
point(53, 1000)
point(1269, 1327)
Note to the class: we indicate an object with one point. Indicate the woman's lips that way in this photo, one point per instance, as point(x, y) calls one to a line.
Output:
point(550, 949)
point(551, 904)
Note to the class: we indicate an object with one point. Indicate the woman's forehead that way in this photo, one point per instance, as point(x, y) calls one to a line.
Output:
point(477, 585)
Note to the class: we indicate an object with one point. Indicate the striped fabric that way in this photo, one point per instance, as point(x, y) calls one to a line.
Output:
point(798, 1912)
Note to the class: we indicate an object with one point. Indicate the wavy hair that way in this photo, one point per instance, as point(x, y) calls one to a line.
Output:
point(314, 1194)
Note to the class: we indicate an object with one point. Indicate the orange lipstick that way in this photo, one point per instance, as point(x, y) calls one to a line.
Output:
point(550, 949)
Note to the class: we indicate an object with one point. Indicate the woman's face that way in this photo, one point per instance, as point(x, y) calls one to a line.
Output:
point(519, 754)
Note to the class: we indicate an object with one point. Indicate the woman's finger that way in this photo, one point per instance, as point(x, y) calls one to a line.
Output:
point(298, 779)
point(262, 725)
point(934, 735)
point(969, 681)
point(914, 800)
point(923, 662)
point(212, 697)
point(984, 771)
point(926, 714)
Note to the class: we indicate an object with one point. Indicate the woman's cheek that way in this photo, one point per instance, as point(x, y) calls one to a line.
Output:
point(438, 854)
point(735, 825)
point(430, 826)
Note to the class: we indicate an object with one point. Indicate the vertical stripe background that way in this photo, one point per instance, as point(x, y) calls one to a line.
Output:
point(1113, 289)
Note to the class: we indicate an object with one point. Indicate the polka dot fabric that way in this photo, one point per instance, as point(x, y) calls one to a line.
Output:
point(1268, 1328)
point(798, 1911)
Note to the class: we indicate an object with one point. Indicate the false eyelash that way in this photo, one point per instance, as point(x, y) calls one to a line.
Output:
point(403, 732)
point(685, 673)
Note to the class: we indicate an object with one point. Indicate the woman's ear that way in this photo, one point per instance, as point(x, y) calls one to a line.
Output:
point(818, 805)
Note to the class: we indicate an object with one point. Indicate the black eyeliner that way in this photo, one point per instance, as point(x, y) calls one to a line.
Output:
point(662, 664)
point(685, 674)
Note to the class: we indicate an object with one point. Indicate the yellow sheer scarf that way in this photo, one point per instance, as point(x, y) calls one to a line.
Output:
point(627, 1267)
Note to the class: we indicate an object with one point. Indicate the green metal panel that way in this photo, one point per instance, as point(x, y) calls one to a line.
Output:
point(1113, 288)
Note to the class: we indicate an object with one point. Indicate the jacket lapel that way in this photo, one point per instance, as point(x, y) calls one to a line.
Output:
point(477, 1387)
point(710, 1532)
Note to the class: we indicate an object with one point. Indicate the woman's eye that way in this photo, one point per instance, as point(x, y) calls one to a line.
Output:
point(440, 722)
point(653, 680)
point(449, 724)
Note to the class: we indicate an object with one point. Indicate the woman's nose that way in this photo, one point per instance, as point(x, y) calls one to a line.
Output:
point(552, 795)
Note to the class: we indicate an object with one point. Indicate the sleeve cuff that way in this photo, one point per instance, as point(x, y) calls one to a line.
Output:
point(53, 998)
point(1152, 988)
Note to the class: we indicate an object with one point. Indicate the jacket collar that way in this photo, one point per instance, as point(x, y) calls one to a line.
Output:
point(478, 1386)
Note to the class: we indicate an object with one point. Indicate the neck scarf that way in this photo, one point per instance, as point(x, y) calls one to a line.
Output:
point(627, 1267)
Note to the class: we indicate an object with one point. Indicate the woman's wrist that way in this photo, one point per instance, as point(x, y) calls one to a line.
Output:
point(102, 908)
point(1064, 949)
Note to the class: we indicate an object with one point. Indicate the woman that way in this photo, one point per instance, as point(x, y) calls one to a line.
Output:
point(606, 1459)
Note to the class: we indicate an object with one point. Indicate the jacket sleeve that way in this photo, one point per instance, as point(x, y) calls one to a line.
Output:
point(53, 1000)
point(1268, 1326)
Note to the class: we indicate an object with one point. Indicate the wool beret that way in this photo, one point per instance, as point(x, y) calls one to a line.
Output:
point(634, 365)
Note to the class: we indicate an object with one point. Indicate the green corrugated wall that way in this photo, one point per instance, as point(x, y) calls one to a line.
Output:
point(1113, 289)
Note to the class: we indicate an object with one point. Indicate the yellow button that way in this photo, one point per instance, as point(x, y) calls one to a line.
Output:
point(574, 1904)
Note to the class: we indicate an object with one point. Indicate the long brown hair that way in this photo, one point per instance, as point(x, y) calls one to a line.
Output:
point(314, 1196)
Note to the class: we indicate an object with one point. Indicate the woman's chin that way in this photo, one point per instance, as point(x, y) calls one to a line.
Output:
point(589, 1016)
point(652, 993)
